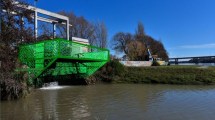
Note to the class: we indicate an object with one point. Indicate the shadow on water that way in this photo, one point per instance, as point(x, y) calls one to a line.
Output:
point(66, 103)
point(65, 80)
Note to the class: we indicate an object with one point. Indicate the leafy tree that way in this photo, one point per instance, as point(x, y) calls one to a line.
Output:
point(156, 47)
point(142, 48)
point(137, 50)
point(135, 46)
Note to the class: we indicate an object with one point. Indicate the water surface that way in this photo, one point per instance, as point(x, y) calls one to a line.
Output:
point(114, 102)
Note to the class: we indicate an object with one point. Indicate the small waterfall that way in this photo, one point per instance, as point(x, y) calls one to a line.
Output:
point(51, 86)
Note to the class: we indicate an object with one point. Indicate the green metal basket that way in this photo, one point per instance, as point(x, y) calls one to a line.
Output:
point(61, 57)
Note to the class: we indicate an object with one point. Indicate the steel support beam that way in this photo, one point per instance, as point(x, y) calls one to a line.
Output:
point(176, 61)
point(54, 29)
point(48, 13)
point(67, 29)
point(35, 24)
point(65, 19)
point(51, 21)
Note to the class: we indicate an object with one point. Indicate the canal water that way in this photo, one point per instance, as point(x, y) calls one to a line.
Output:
point(114, 102)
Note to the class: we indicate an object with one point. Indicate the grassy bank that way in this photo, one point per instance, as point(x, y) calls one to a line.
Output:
point(158, 74)
point(170, 75)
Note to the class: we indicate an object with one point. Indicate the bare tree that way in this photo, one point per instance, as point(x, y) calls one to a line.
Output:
point(100, 35)
point(96, 33)
point(140, 32)
point(80, 27)
point(46, 32)
point(120, 42)
point(13, 33)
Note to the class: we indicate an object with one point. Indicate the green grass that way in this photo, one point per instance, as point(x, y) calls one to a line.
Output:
point(170, 75)
point(166, 75)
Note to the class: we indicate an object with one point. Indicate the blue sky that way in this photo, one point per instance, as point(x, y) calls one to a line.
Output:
point(186, 27)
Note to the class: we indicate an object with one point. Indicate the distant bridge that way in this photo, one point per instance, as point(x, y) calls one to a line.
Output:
point(176, 59)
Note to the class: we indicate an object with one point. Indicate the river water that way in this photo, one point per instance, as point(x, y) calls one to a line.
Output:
point(114, 102)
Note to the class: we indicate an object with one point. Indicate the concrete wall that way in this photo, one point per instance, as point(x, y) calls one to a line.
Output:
point(136, 63)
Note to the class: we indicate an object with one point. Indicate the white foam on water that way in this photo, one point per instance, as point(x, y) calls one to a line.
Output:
point(52, 86)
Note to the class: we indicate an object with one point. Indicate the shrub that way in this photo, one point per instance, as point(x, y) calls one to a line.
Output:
point(11, 88)
point(113, 70)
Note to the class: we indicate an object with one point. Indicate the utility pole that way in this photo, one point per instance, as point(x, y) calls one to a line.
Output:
point(54, 29)
point(35, 19)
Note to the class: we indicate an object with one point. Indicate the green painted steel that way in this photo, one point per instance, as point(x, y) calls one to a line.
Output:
point(61, 57)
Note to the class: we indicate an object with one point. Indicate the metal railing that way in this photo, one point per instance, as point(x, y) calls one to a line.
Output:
point(69, 57)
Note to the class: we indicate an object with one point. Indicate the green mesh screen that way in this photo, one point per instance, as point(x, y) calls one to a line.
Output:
point(61, 57)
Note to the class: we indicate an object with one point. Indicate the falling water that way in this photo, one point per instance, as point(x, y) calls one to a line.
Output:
point(51, 86)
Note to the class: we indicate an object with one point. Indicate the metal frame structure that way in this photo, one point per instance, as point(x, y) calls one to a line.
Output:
point(61, 19)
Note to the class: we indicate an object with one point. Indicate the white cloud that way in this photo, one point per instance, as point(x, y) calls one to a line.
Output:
point(212, 45)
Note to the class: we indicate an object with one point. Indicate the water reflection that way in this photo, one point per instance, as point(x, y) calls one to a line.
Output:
point(66, 103)
point(163, 102)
